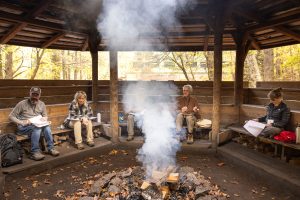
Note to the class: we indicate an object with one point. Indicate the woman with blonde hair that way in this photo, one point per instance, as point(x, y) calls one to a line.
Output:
point(79, 113)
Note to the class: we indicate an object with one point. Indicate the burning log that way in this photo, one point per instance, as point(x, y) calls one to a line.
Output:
point(130, 184)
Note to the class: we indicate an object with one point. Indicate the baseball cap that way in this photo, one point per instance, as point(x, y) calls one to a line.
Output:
point(35, 90)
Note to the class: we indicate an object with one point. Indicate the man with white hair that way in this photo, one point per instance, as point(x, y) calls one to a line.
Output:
point(187, 109)
point(23, 115)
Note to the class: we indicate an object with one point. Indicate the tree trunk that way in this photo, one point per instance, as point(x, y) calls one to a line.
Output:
point(268, 65)
point(254, 73)
point(39, 57)
point(63, 61)
point(76, 67)
point(209, 56)
point(278, 66)
point(9, 65)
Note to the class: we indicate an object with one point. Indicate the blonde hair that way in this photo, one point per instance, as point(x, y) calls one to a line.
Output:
point(78, 95)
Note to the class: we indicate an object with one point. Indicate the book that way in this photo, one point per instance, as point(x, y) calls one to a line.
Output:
point(38, 121)
point(254, 127)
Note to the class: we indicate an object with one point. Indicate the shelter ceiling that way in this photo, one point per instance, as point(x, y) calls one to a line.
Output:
point(66, 24)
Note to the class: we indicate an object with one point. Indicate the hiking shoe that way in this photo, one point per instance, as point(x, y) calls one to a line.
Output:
point(190, 139)
point(80, 146)
point(37, 156)
point(91, 144)
point(129, 138)
point(53, 152)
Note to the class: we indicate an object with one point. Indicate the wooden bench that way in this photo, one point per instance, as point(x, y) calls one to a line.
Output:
point(253, 111)
point(56, 114)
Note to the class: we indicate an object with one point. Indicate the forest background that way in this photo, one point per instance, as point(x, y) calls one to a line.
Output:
point(277, 64)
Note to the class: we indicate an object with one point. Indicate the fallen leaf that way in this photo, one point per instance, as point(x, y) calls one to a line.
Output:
point(35, 184)
point(234, 182)
point(254, 191)
point(221, 164)
point(47, 181)
point(113, 152)
point(236, 195)
point(59, 193)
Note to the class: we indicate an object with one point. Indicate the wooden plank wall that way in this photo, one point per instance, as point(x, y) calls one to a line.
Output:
point(291, 93)
point(62, 92)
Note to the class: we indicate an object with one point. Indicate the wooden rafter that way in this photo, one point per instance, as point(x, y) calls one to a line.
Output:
point(53, 40)
point(85, 45)
point(258, 18)
point(206, 37)
point(12, 32)
point(254, 43)
point(18, 27)
point(287, 32)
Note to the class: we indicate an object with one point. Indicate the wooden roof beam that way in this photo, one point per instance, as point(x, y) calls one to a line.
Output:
point(39, 8)
point(287, 32)
point(85, 45)
point(280, 28)
point(206, 37)
point(39, 23)
point(53, 40)
point(254, 43)
point(18, 27)
point(12, 32)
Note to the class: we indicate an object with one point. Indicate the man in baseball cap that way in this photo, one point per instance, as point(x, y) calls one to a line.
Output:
point(22, 114)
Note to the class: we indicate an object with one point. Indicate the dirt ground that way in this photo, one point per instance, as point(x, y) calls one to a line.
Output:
point(65, 181)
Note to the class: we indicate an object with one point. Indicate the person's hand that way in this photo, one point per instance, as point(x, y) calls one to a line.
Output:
point(255, 120)
point(25, 122)
point(85, 121)
point(268, 125)
point(184, 109)
point(195, 109)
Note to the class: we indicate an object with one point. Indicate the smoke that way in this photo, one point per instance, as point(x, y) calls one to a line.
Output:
point(154, 104)
point(129, 24)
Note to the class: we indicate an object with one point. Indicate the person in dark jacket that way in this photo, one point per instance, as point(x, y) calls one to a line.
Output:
point(277, 116)
point(79, 116)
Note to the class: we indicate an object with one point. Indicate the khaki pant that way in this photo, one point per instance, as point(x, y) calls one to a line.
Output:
point(77, 126)
point(190, 120)
point(130, 125)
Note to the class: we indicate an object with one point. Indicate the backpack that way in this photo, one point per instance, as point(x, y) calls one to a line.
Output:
point(11, 150)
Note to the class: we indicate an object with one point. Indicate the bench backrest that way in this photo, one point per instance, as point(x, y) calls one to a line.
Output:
point(56, 113)
point(253, 111)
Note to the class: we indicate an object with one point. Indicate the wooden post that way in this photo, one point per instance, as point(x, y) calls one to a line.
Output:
point(114, 106)
point(239, 70)
point(218, 42)
point(94, 40)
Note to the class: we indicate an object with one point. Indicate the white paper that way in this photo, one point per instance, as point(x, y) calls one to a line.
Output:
point(38, 121)
point(254, 127)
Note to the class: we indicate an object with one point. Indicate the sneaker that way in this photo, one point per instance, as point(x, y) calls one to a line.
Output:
point(129, 138)
point(91, 144)
point(80, 146)
point(190, 139)
point(37, 156)
point(53, 152)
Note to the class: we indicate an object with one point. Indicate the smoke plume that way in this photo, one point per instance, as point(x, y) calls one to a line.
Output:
point(154, 105)
point(129, 24)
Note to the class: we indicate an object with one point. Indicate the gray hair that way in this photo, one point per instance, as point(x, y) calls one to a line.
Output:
point(189, 87)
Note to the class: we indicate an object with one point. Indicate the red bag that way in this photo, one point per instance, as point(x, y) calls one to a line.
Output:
point(286, 136)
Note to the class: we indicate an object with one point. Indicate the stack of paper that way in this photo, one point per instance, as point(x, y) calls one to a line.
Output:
point(254, 127)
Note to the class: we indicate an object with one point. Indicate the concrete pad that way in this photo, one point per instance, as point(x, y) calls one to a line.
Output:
point(273, 170)
point(68, 153)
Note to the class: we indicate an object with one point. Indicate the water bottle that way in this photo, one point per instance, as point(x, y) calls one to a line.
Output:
point(99, 117)
point(298, 134)
point(121, 117)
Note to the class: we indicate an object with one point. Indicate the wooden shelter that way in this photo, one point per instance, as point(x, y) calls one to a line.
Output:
point(209, 25)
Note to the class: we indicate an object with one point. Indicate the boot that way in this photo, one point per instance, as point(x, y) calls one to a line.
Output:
point(190, 138)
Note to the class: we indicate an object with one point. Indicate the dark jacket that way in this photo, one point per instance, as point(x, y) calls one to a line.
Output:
point(280, 114)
